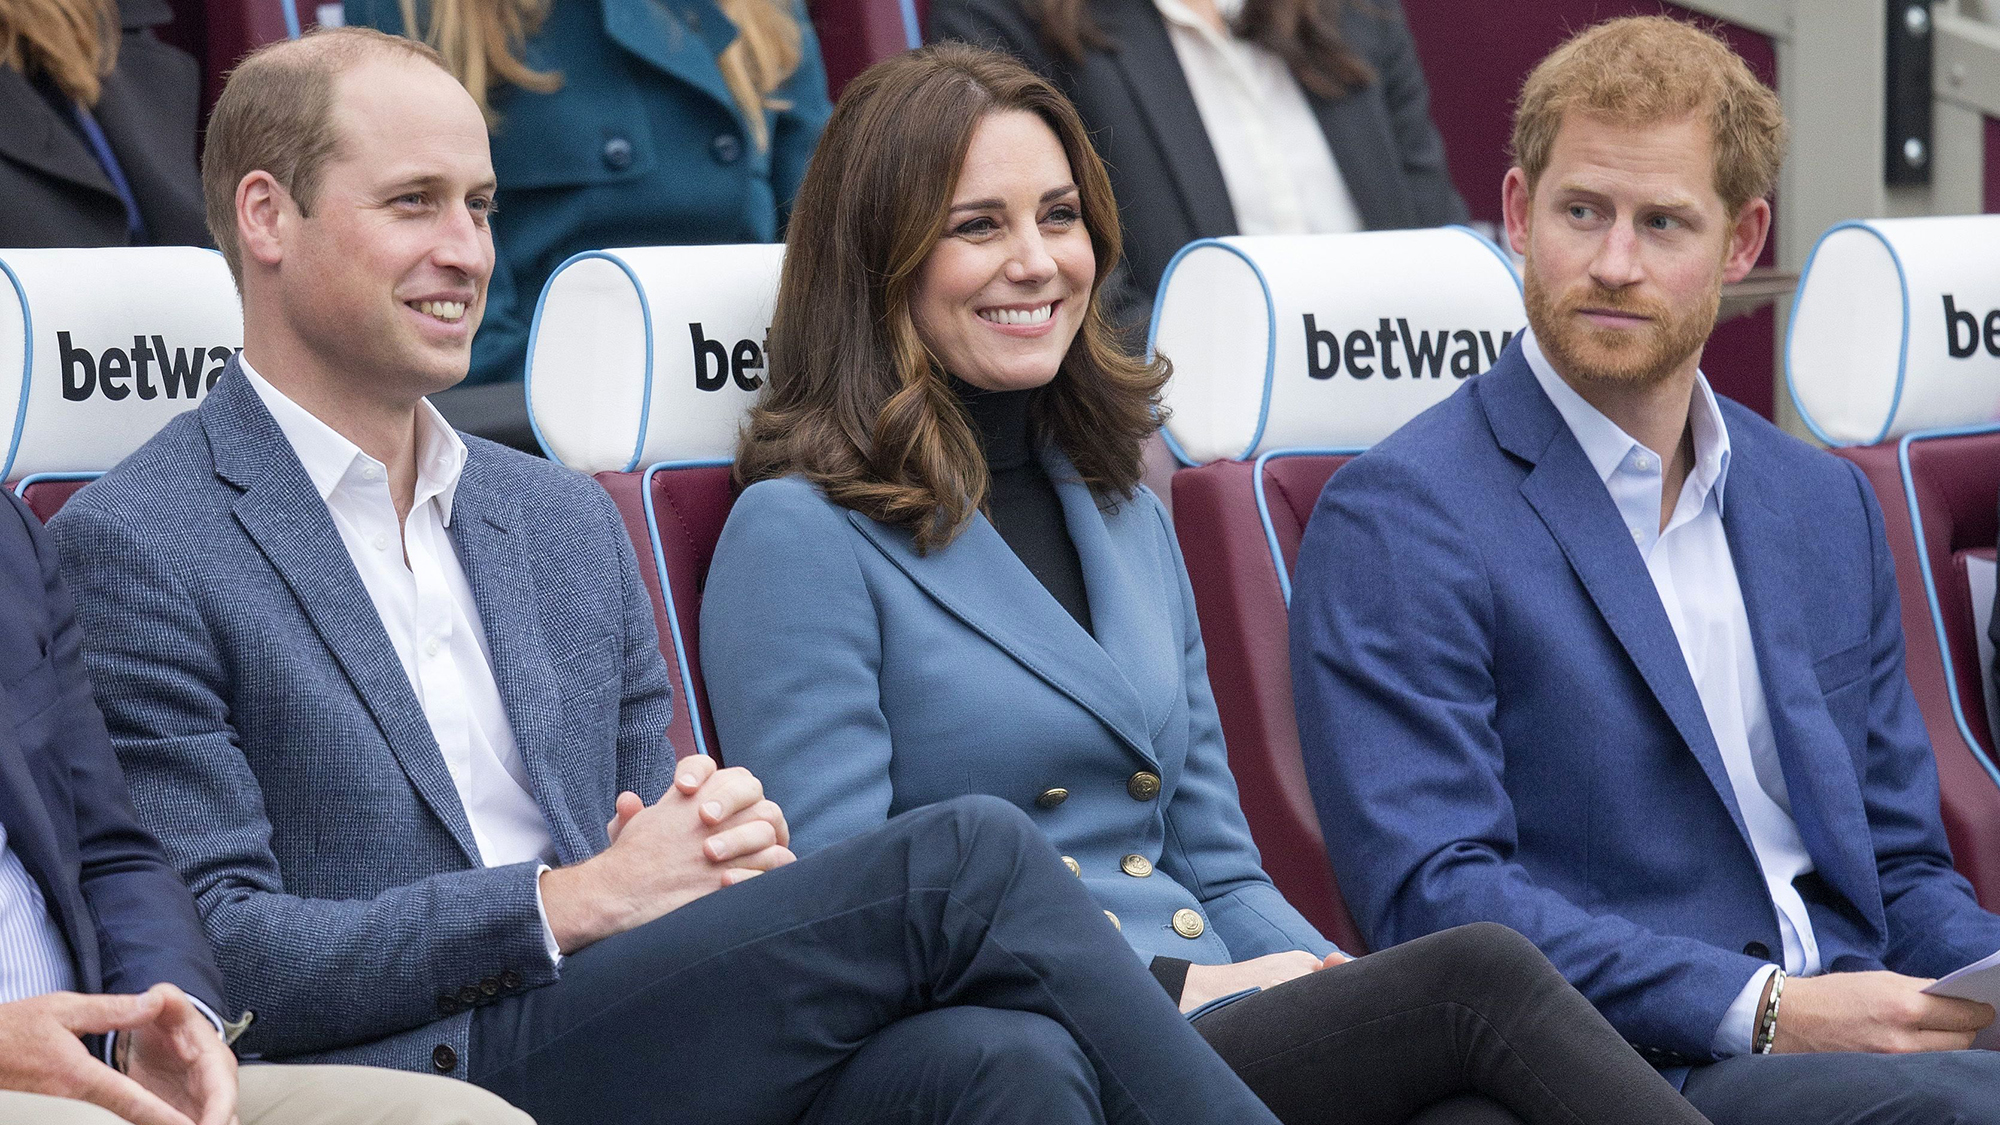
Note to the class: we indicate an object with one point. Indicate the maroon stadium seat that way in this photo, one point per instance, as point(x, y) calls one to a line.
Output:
point(1239, 593)
point(617, 388)
point(1938, 494)
point(1873, 367)
point(46, 493)
point(1259, 403)
point(674, 513)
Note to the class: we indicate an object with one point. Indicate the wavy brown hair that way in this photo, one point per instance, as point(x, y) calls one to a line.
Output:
point(1304, 33)
point(856, 403)
point(74, 42)
point(483, 43)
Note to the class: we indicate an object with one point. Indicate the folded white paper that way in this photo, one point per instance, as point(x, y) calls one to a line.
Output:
point(1978, 981)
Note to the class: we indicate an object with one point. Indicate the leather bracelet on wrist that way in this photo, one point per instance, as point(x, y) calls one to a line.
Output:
point(1767, 1022)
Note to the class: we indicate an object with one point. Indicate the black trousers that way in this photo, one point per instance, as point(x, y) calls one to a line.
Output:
point(946, 967)
point(1942, 1088)
point(1469, 1025)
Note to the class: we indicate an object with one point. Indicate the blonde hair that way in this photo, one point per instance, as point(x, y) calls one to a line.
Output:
point(276, 115)
point(1644, 69)
point(74, 42)
point(483, 41)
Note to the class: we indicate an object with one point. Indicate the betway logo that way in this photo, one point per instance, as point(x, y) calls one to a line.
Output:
point(1965, 320)
point(149, 368)
point(716, 364)
point(1425, 353)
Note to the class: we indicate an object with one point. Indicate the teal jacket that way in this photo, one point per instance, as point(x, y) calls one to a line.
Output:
point(642, 146)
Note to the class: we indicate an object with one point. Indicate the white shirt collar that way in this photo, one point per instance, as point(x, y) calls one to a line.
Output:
point(1610, 448)
point(331, 460)
point(1177, 12)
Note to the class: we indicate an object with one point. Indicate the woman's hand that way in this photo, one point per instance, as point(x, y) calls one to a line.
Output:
point(1209, 982)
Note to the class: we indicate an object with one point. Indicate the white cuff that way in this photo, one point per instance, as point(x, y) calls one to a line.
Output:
point(548, 934)
point(1739, 1023)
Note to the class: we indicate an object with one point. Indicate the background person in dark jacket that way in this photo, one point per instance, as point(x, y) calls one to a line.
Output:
point(1221, 117)
point(97, 127)
point(623, 123)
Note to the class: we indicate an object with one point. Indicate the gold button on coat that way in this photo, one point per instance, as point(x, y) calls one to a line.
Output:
point(1115, 923)
point(1187, 923)
point(1137, 866)
point(1050, 798)
point(1075, 868)
point(1144, 785)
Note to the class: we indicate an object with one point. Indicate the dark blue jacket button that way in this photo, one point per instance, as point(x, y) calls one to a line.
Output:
point(443, 1059)
point(618, 154)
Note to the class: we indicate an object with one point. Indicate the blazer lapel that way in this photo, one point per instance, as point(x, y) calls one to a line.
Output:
point(1572, 502)
point(1825, 797)
point(1162, 96)
point(650, 30)
point(979, 580)
point(31, 835)
point(284, 515)
point(485, 529)
point(1354, 133)
point(1128, 613)
point(38, 138)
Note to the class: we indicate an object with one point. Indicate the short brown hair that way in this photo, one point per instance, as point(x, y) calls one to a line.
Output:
point(1644, 69)
point(276, 115)
point(856, 403)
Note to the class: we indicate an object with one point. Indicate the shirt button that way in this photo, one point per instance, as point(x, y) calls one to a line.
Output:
point(1642, 462)
point(1638, 536)
point(431, 647)
point(369, 472)
point(382, 541)
point(617, 154)
point(726, 148)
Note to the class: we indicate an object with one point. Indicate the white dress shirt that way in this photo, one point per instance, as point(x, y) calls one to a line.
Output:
point(1280, 173)
point(34, 958)
point(413, 576)
point(1696, 579)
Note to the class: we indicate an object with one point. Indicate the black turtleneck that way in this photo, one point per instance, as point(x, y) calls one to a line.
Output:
point(1022, 501)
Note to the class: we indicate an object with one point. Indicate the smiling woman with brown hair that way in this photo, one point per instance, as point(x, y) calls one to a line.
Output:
point(942, 577)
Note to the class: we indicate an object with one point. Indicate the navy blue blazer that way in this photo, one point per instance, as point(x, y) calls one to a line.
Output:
point(860, 679)
point(275, 745)
point(642, 146)
point(129, 922)
point(1498, 723)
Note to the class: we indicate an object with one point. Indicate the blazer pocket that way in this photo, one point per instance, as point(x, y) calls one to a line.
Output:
point(1843, 669)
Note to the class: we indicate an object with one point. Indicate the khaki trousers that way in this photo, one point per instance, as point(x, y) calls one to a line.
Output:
point(310, 1095)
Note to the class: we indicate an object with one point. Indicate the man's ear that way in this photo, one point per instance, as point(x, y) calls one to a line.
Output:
point(1514, 200)
point(262, 209)
point(1746, 240)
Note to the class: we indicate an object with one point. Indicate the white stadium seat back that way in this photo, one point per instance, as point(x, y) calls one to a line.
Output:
point(99, 348)
point(649, 354)
point(1325, 341)
point(1896, 328)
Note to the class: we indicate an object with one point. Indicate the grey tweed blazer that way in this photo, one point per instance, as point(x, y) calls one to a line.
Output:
point(274, 744)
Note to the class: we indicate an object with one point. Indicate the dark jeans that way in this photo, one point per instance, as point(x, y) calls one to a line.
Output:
point(948, 961)
point(1469, 1025)
point(1944, 1088)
